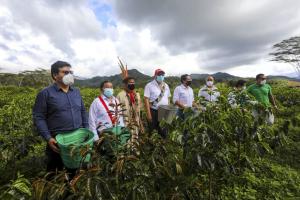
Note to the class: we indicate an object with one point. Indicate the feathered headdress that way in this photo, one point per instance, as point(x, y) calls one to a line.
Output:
point(123, 68)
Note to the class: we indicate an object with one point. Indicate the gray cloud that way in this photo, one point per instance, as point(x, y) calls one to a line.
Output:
point(4, 46)
point(60, 20)
point(228, 32)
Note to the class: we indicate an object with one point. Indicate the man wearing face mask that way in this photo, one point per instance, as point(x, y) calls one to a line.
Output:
point(183, 97)
point(183, 94)
point(156, 93)
point(131, 101)
point(58, 108)
point(100, 115)
point(209, 93)
point(263, 94)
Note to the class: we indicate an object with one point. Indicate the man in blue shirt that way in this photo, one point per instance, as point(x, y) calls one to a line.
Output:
point(58, 108)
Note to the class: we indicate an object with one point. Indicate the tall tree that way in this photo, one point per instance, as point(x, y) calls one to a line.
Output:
point(288, 51)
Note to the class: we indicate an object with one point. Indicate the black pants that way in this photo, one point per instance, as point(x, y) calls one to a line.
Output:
point(155, 124)
point(55, 163)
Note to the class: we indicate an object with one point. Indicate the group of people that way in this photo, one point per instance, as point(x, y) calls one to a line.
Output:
point(59, 108)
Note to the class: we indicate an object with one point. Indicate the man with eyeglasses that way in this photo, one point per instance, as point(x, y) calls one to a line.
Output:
point(58, 108)
point(263, 94)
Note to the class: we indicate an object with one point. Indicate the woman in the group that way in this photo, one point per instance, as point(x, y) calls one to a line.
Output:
point(239, 97)
point(105, 111)
point(209, 93)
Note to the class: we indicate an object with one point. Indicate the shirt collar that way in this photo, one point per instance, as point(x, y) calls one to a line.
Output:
point(183, 86)
point(57, 88)
point(156, 83)
point(105, 98)
point(213, 87)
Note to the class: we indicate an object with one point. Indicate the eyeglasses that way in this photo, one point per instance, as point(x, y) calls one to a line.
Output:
point(67, 72)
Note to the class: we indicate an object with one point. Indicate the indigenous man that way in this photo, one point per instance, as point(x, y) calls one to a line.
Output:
point(131, 102)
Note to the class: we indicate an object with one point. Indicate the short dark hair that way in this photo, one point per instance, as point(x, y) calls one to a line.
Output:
point(209, 76)
point(57, 65)
point(103, 83)
point(259, 76)
point(127, 79)
point(183, 77)
point(240, 83)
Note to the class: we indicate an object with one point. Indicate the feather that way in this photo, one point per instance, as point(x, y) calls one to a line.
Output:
point(123, 68)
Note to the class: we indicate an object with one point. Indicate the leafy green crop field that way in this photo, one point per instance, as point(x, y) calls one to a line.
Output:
point(227, 155)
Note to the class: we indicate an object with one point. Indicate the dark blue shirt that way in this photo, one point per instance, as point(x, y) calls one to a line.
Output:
point(56, 111)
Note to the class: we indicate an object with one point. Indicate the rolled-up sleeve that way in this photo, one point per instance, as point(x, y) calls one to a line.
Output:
point(201, 93)
point(147, 91)
point(93, 120)
point(169, 92)
point(39, 113)
point(176, 95)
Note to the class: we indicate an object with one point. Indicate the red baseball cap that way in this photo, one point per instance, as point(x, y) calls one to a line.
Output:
point(158, 71)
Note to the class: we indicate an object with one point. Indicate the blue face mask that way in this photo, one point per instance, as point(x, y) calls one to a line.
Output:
point(160, 78)
point(108, 92)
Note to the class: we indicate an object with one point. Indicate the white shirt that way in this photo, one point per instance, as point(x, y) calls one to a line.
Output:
point(184, 95)
point(99, 116)
point(210, 94)
point(152, 91)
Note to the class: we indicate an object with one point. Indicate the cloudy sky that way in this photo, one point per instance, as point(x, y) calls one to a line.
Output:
point(191, 36)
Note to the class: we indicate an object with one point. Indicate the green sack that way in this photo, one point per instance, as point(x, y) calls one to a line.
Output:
point(75, 147)
point(122, 134)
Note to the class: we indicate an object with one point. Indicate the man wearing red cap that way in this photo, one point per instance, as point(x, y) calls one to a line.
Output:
point(156, 93)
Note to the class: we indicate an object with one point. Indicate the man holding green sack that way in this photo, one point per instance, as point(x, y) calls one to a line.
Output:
point(58, 108)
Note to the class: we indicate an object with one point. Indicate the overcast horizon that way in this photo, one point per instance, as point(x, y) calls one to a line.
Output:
point(194, 36)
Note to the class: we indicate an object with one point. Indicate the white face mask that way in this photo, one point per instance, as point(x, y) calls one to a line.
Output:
point(209, 83)
point(68, 79)
point(263, 82)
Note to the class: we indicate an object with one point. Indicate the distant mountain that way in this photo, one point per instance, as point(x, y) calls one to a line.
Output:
point(199, 76)
point(218, 76)
point(141, 79)
point(282, 78)
point(42, 78)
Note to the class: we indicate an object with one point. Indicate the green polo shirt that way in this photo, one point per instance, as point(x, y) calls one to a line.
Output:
point(261, 93)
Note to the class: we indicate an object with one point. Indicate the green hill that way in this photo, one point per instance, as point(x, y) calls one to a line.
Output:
point(42, 78)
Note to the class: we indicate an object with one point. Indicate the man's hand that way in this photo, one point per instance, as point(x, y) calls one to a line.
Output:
point(180, 105)
point(149, 117)
point(53, 145)
point(244, 110)
point(147, 107)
